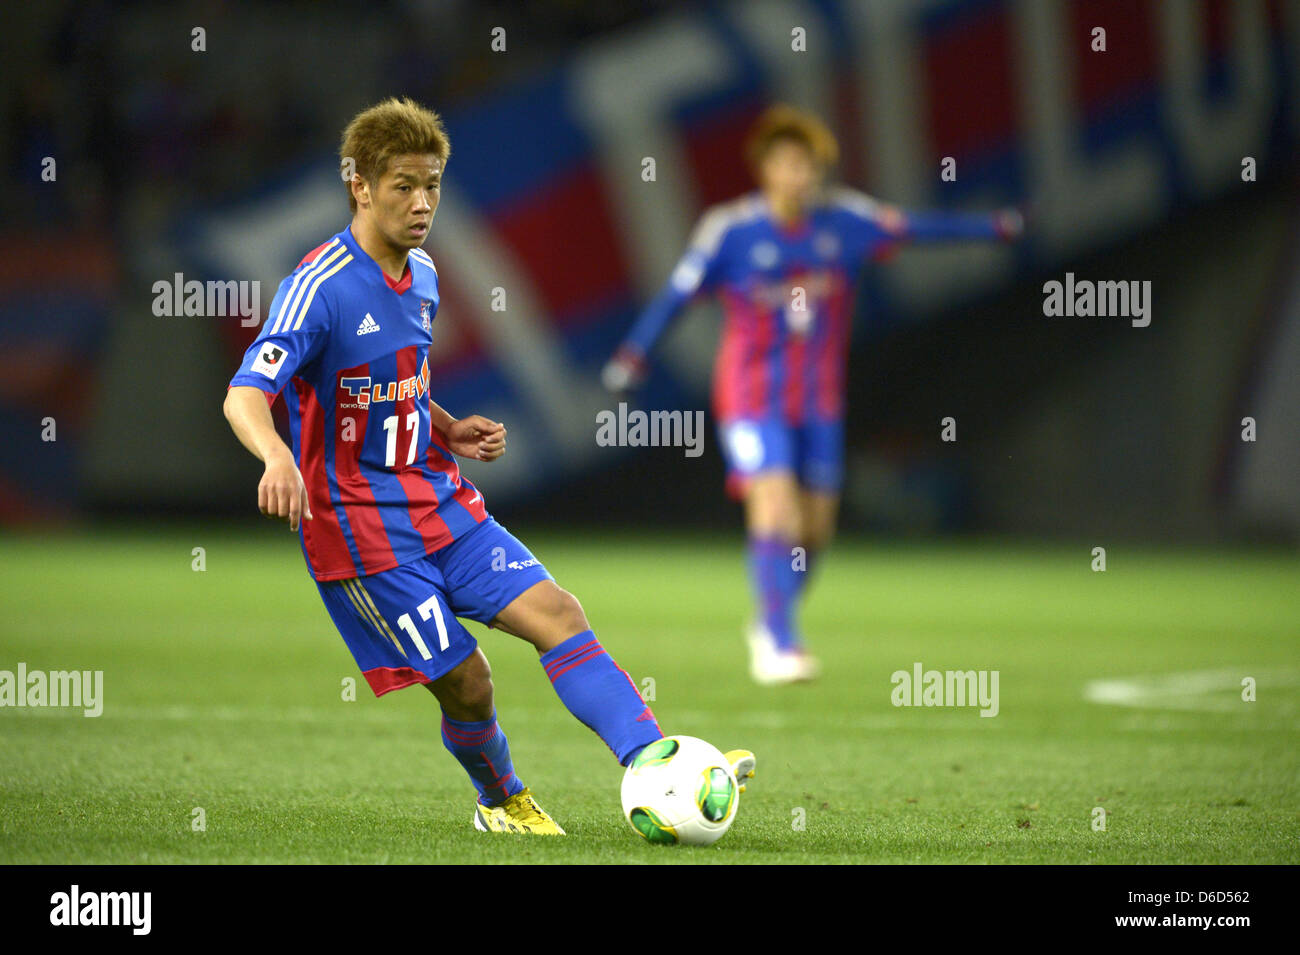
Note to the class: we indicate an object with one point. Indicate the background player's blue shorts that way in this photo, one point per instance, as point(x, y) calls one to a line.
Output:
point(812, 451)
point(401, 624)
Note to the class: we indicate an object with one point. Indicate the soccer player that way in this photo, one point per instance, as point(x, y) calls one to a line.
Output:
point(400, 544)
point(783, 259)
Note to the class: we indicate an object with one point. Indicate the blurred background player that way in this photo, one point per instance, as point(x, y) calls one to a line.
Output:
point(784, 259)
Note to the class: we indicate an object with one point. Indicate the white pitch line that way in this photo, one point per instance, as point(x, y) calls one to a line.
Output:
point(1210, 691)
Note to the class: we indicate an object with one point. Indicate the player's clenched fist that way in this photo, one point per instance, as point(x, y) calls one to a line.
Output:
point(475, 436)
point(281, 492)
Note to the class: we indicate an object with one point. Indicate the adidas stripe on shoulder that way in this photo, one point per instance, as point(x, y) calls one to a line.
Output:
point(419, 255)
point(717, 220)
point(302, 291)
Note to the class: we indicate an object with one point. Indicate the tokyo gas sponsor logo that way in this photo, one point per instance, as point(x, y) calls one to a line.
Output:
point(360, 392)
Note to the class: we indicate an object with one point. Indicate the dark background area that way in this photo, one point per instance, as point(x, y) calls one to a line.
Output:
point(172, 160)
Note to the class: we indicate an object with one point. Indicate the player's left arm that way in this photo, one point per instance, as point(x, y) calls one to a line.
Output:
point(1002, 225)
point(881, 221)
point(473, 436)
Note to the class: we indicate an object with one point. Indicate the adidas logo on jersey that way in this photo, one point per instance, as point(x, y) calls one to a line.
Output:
point(367, 325)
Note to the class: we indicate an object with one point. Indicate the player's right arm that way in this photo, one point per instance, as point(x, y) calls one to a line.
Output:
point(281, 493)
point(695, 272)
point(293, 335)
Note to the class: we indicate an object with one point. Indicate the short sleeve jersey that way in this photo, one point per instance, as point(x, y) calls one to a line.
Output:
point(349, 348)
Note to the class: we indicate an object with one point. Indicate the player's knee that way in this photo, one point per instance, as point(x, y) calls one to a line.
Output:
point(557, 616)
point(818, 536)
point(781, 521)
point(568, 614)
point(468, 688)
point(476, 697)
point(773, 509)
point(818, 527)
point(478, 671)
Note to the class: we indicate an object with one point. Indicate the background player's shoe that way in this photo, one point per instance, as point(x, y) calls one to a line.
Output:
point(742, 764)
point(519, 813)
point(770, 666)
point(762, 651)
point(810, 668)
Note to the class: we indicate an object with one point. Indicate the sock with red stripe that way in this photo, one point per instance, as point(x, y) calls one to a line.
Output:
point(776, 584)
point(600, 694)
point(482, 749)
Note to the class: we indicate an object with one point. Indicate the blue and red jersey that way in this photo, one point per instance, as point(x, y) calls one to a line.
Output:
point(786, 293)
point(349, 347)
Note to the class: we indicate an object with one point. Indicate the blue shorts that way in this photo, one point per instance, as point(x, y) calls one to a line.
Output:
point(401, 624)
point(813, 452)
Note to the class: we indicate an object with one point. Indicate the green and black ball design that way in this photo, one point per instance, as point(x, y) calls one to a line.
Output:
point(716, 795)
point(648, 823)
point(656, 754)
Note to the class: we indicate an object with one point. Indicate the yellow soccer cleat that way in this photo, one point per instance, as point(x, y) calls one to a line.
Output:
point(519, 813)
point(742, 764)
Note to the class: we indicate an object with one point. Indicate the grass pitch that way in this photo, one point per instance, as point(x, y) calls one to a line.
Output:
point(223, 692)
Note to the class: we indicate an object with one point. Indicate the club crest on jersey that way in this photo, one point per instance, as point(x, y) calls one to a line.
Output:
point(359, 392)
point(426, 316)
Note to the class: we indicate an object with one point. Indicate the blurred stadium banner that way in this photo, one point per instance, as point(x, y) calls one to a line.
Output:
point(52, 336)
point(546, 201)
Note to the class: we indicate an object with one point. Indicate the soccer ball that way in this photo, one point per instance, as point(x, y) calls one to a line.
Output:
point(680, 790)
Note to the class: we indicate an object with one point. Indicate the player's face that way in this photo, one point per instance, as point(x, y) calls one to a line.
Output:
point(789, 173)
point(403, 205)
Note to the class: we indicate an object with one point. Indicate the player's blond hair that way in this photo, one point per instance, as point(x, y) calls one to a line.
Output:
point(394, 127)
point(781, 121)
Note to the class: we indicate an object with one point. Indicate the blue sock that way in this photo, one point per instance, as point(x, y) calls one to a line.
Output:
point(776, 584)
point(482, 749)
point(802, 577)
point(601, 695)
